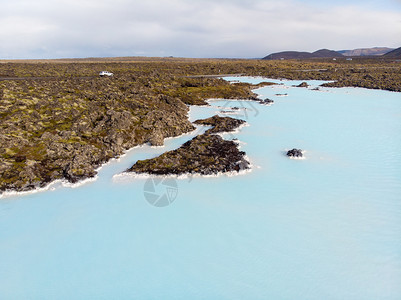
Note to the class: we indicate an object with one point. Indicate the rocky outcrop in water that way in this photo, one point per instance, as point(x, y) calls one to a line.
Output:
point(220, 124)
point(205, 154)
point(295, 153)
point(303, 84)
point(267, 101)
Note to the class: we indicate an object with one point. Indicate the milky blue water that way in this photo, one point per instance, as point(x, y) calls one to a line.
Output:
point(326, 227)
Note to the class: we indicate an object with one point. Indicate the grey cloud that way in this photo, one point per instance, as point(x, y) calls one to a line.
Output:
point(225, 28)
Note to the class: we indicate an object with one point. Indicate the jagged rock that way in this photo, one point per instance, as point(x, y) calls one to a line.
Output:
point(267, 101)
point(295, 153)
point(220, 124)
point(303, 84)
point(76, 171)
point(205, 154)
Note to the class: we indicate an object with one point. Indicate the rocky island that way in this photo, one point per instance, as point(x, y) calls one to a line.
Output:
point(295, 153)
point(303, 84)
point(220, 124)
point(206, 154)
point(267, 101)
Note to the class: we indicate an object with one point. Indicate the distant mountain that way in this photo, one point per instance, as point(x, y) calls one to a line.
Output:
point(326, 53)
point(366, 51)
point(322, 53)
point(288, 55)
point(396, 53)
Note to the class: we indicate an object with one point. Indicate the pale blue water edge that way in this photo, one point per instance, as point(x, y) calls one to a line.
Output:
point(327, 227)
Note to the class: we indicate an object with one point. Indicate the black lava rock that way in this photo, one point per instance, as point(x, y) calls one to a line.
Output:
point(294, 153)
point(205, 154)
point(220, 124)
point(267, 101)
point(303, 84)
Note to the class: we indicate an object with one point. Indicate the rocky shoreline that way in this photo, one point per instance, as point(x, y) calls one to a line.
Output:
point(65, 129)
point(60, 121)
point(70, 138)
point(205, 154)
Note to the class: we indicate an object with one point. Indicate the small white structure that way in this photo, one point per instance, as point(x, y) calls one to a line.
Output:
point(349, 58)
point(105, 73)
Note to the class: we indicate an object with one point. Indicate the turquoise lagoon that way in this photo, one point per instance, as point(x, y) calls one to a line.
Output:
point(326, 227)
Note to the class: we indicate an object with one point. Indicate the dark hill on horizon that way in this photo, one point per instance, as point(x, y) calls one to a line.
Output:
point(396, 53)
point(322, 53)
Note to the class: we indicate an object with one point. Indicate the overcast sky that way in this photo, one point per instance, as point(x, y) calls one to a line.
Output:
point(193, 28)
